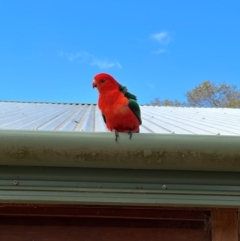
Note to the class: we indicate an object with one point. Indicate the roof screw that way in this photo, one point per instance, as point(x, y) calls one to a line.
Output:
point(164, 186)
point(15, 182)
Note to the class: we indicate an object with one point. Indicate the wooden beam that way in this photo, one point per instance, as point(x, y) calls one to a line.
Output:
point(101, 229)
point(224, 225)
point(93, 211)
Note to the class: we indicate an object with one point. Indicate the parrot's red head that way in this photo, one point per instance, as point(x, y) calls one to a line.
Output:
point(104, 82)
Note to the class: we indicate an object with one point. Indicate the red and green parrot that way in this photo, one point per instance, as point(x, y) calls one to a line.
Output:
point(119, 108)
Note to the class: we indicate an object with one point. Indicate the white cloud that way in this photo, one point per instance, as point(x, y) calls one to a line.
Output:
point(90, 59)
point(105, 64)
point(162, 38)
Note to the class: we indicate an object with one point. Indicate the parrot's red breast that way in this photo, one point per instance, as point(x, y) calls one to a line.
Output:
point(120, 112)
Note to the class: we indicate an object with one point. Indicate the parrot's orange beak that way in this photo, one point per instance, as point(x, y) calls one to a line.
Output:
point(94, 84)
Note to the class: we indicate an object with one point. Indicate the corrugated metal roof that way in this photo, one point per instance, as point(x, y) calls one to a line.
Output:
point(88, 118)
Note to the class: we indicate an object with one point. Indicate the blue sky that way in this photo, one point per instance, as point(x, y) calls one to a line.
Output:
point(50, 50)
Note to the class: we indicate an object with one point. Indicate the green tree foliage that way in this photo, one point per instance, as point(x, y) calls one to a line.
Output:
point(166, 102)
point(207, 94)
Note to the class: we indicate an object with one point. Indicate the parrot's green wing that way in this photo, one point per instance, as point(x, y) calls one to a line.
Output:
point(133, 105)
point(104, 118)
point(126, 93)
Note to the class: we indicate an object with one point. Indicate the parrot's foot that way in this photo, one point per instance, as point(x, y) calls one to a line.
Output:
point(116, 135)
point(130, 135)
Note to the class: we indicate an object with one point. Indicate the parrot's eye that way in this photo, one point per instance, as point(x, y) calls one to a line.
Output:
point(102, 80)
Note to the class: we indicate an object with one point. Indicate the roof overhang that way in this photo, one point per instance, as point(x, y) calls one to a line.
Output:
point(99, 150)
point(91, 168)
